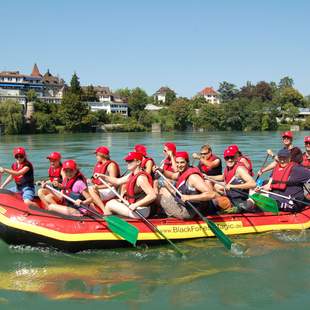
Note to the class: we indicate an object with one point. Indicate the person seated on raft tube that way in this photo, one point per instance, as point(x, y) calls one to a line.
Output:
point(190, 182)
point(56, 176)
point(139, 189)
point(237, 183)
point(288, 179)
point(98, 191)
point(209, 164)
point(245, 160)
point(306, 155)
point(296, 153)
point(74, 185)
point(23, 174)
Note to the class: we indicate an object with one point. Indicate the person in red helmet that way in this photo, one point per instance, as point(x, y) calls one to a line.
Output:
point(56, 176)
point(139, 190)
point(147, 162)
point(74, 185)
point(306, 154)
point(243, 158)
point(236, 184)
point(190, 182)
point(296, 153)
point(22, 173)
point(98, 191)
point(169, 163)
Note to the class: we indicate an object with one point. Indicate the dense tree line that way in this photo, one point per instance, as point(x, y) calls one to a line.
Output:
point(260, 106)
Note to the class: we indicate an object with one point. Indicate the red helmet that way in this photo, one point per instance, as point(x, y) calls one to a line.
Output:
point(54, 156)
point(234, 148)
point(69, 164)
point(182, 155)
point(287, 134)
point(171, 147)
point(307, 139)
point(230, 152)
point(19, 151)
point(140, 148)
point(103, 150)
point(133, 156)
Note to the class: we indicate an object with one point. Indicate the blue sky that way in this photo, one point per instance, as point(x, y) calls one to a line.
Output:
point(186, 45)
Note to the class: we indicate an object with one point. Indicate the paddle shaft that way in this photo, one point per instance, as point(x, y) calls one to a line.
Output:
point(284, 197)
point(214, 228)
point(264, 163)
point(140, 215)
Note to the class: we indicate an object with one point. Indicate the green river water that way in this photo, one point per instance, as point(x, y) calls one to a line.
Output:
point(272, 273)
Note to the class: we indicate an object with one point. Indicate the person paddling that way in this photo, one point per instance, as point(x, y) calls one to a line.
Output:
point(295, 152)
point(22, 173)
point(306, 155)
point(56, 176)
point(98, 191)
point(139, 191)
point(74, 185)
point(209, 164)
point(237, 183)
point(287, 179)
point(147, 163)
point(190, 182)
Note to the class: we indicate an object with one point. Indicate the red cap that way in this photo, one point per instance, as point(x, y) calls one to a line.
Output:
point(171, 146)
point(140, 148)
point(133, 156)
point(103, 150)
point(19, 151)
point(288, 134)
point(234, 147)
point(230, 152)
point(54, 156)
point(69, 164)
point(183, 155)
point(307, 139)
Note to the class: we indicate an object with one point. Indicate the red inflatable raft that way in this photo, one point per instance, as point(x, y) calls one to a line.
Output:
point(20, 224)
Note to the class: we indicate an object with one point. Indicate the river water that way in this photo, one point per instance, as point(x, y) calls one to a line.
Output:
point(272, 273)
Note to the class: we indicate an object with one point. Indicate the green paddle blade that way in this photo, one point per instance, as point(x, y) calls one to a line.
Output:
point(265, 203)
point(123, 229)
point(219, 233)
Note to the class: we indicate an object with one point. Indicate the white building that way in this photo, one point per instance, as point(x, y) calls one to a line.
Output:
point(210, 95)
point(160, 95)
point(109, 107)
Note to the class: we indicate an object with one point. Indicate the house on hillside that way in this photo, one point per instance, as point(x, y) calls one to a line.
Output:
point(210, 95)
point(160, 95)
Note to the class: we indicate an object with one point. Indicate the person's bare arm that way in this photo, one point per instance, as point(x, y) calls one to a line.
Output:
point(149, 166)
point(113, 180)
point(210, 163)
point(16, 173)
point(6, 182)
point(243, 174)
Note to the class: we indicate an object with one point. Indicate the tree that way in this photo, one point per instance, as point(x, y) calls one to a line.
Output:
point(291, 95)
point(72, 111)
point(290, 111)
point(137, 101)
point(286, 82)
point(170, 97)
point(181, 112)
point(31, 95)
point(228, 91)
point(75, 87)
point(43, 123)
point(264, 91)
point(248, 91)
point(11, 116)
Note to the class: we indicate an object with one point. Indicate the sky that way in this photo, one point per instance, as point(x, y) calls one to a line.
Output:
point(186, 45)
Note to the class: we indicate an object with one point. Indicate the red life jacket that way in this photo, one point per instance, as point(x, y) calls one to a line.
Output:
point(68, 184)
point(280, 176)
point(131, 183)
point(250, 169)
point(102, 168)
point(305, 161)
point(168, 165)
point(185, 175)
point(55, 174)
point(230, 173)
point(145, 160)
point(23, 179)
point(208, 170)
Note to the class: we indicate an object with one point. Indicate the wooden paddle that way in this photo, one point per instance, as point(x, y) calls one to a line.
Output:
point(151, 225)
point(115, 224)
point(213, 227)
point(267, 204)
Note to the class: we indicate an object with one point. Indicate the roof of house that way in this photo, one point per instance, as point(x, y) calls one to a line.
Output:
point(208, 91)
point(35, 71)
point(48, 78)
point(163, 90)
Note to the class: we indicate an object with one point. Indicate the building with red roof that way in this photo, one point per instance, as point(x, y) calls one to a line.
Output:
point(210, 95)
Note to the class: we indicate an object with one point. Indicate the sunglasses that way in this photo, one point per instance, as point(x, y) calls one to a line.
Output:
point(203, 154)
point(129, 161)
point(19, 156)
point(286, 138)
point(229, 157)
point(307, 143)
